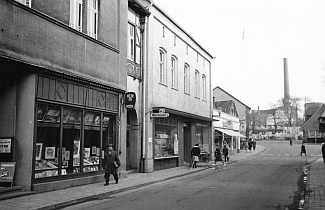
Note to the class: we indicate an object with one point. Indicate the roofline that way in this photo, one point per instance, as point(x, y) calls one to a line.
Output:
point(312, 116)
point(232, 96)
point(182, 29)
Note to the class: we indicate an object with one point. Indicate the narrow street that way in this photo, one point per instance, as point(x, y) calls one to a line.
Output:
point(269, 180)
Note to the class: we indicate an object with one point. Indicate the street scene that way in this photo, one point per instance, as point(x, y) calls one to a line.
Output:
point(162, 104)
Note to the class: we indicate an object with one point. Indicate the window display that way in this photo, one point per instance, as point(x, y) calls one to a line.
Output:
point(71, 156)
point(166, 138)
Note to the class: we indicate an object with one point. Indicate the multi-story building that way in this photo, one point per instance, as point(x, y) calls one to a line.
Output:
point(314, 126)
point(243, 110)
point(63, 77)
point(178, 107)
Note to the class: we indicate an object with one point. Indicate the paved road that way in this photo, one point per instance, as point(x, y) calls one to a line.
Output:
point(271, 180)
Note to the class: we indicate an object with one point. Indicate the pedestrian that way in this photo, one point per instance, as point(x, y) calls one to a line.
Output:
point(323, 151)
point(195, 153)
point(290, 141)
point(218, 155)
point(225, 152)
point(111, 164)
point(246, 145)
point(254, 144)
point(303, 149)
point(250, 144)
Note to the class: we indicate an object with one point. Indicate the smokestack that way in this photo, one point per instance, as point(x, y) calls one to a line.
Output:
point(286, 99)
point(286, 79)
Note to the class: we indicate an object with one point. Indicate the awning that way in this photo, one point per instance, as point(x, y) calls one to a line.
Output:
point(230, 132)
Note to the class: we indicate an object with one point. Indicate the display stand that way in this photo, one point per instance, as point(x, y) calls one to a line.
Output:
point(7, 169)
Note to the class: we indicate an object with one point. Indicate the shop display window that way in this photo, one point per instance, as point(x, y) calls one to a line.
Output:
point(71, 142)
point(80, 146)
point(91, 151)
point(166, 138)
point(47, 141)
point(202, 136)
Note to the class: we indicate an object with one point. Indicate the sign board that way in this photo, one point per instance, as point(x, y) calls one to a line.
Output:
point(160, 114)
point(7, 171)
point(130, 99)
point(5, 145)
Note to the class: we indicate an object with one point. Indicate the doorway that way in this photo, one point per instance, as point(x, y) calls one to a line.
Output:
point(187, 141)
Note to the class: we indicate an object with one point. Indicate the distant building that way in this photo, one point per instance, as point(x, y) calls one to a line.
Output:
point(314, 126)
point(243, 110)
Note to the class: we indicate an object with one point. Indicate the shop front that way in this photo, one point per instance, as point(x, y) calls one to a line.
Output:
point(74, 125)
point(173, 138)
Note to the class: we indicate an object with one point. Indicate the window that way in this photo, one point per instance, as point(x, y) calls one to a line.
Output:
point(197, 83)
point(131, 43)
point(27, 3)
point(162, 66)
point(166, 138)
point(174, 72)
point(76, 14)
point(92, 18)
point(163, 31)
point(64, 146)
point(186, 79)
point(204, 87)
point(311, 133)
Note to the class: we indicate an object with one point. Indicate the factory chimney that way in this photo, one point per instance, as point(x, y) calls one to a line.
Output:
point(286, 99)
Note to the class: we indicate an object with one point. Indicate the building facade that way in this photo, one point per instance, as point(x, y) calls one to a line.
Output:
point(314, 126)
point(63, 78)
point(177, 110)
point(243, 110)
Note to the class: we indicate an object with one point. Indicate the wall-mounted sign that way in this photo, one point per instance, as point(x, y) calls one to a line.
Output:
point(161, 113)
point(5, 145)
point(130, 100)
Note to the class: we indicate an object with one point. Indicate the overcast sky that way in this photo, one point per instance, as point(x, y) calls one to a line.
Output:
point(250, 38)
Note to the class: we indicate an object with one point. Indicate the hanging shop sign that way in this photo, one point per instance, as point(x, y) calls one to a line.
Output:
point(7, 171)
point(130, 99)
point(161, 113)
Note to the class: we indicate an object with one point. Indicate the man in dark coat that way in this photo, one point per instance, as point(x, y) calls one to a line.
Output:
point(218, 155)
point(225, 152)
point(195, 153)
point(111, 164)
point(323, 151)
point(303, 149)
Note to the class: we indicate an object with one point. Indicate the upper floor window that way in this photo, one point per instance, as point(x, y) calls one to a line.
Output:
point(162, 66)
point(204, 87)
point(27, 3)
point(197, 83)
point(131, 42)
point(163, 31)
point(174, 72)
point(187, 79)
point(92, 18)
point(76, 14)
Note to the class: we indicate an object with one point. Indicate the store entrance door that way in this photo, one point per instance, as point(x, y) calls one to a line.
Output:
point(132, 141)
point(187, 141)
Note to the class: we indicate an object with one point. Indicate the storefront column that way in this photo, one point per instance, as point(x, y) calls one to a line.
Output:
point(25, 105)
point(232, 143)
point(238, 144)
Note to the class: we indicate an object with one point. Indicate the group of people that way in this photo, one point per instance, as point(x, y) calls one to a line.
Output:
point(220, 155)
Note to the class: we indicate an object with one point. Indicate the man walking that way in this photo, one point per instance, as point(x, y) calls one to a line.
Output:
point(218, 155)
point(303, 149)
point(323, 151)
point(111, 163)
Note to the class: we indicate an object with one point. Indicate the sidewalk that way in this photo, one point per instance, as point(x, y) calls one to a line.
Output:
point(315, 189)
point(65, 197)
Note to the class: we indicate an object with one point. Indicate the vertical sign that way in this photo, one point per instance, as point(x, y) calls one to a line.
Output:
point(130, 99)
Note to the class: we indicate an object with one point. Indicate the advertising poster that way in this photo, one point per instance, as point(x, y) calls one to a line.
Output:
point(7, 171)
point(5, 145)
